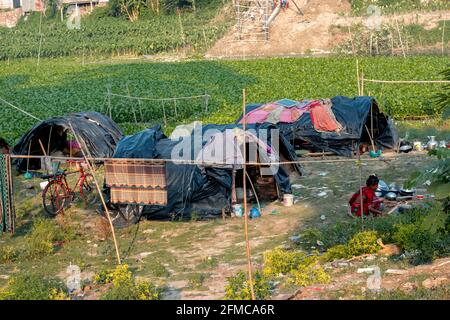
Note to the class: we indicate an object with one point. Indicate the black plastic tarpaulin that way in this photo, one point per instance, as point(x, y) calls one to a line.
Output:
point(97, 132)
point(191, 188)
point(354, 114)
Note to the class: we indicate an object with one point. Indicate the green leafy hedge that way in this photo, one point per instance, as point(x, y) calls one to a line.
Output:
point(59, 86)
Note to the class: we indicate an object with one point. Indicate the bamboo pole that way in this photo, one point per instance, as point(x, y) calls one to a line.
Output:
point(351, 41)
point(400, 37)
point(443, 37)
point(362, 81)
point(357, 77)
point(244, 167)
point(100, 194)
point(360, 189)
point(371, 121)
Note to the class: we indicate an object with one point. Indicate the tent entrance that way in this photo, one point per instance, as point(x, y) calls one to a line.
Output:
point(265, 186)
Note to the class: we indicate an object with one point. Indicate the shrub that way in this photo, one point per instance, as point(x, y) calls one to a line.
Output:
point(301, 269)
point(420, 243)
point(282, 261)
point(339, 251)
point(238, 287)
point(363, 243)
point(8, 254)
point(309, 275)
point(43, 234)
point(308, 272)
point(124, 287)
point(33, 287)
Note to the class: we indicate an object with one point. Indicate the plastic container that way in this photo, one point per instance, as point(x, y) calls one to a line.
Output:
point(254, 213)
point(288, 200)
point(237, 210)
point(374, 154)
point(43, 184)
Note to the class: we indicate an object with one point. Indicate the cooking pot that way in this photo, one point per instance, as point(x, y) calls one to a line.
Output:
point(391, 196)
point(382, 187)
point(393, 187)
point(407, 192)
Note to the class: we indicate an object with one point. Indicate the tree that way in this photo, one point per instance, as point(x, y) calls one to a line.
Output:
point(132, 8)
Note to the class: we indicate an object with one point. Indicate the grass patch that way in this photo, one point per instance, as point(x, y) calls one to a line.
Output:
point(26, 286)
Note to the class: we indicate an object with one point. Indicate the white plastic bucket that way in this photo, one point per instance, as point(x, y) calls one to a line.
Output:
point(237, 210)
point(288, 200)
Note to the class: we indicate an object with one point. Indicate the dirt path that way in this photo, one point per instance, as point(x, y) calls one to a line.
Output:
point(295, 34)
point(347, 283)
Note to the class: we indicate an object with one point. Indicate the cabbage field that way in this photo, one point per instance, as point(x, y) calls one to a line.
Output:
point(101, 34)
point(59, 86)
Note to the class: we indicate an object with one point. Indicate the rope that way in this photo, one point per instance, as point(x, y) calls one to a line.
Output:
point(159, 99)
point(204, 163)
point(401, 81)
point(19, 109)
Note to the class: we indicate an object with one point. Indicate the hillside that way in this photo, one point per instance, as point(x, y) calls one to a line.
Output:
point(329, 26)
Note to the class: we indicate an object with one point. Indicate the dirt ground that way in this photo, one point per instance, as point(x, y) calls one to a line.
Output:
point(192, 259)
point(293, 34)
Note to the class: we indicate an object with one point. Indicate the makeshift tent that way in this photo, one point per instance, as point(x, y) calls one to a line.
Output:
point(201, 189)
point(98, 134)
point(351, 118)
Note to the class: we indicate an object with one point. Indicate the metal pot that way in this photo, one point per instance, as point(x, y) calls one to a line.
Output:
point(378, 194)
point(391, 196)
point(432, 143)
point(407, 192)
point(382, 187)
point(406, 148)
point(393, 187)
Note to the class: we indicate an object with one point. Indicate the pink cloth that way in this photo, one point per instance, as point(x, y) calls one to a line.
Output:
point(323, 117)
point(73, 144)
point(274, 113)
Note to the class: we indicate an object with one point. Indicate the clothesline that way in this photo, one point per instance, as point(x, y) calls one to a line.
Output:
point(19, 109)
point(159, 99)
point(405, 81)
point(197, 162)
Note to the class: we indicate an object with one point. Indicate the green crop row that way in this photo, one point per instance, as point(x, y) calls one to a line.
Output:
point(104, 35)
point(395, 6)
point(59, 86)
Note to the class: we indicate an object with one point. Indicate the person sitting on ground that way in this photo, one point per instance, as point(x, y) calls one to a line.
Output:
point(370, 202)
point(4, 146)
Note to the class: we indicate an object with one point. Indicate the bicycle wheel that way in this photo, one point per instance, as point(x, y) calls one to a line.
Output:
point(89, 193)
point(54, 198)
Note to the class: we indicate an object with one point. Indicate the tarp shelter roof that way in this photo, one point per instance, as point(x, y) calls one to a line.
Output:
point(97, 132)
point(353, 114)
point(190, 187)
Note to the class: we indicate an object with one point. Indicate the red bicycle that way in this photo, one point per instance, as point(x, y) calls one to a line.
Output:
point(57, 193)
